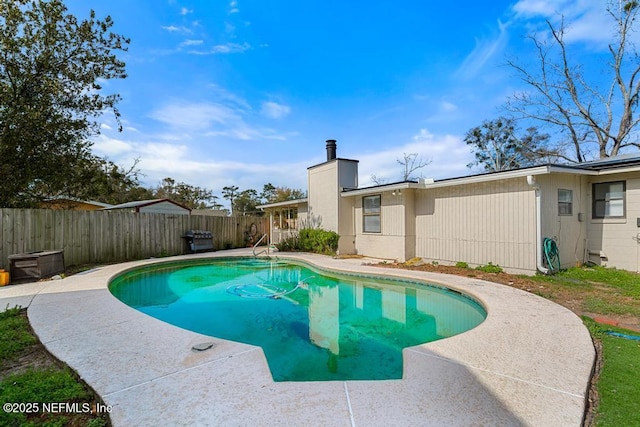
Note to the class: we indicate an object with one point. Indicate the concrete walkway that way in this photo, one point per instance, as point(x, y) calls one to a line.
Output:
point(528, 363)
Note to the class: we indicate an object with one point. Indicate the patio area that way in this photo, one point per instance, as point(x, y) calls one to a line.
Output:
point(528, 363)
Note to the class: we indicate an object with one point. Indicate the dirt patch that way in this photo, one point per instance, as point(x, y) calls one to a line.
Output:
point(36, 358)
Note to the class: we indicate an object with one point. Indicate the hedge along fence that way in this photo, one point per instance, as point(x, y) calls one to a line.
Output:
point(89, 237)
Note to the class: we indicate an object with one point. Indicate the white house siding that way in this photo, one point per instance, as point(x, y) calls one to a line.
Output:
point(568, 232)
point(347, 178)
point(410, 224)
point(346, 230)
point(325, 204)
point(302, 215)
point(478, 223)
point(616, 239)
point(323, 196)
point(396, 239)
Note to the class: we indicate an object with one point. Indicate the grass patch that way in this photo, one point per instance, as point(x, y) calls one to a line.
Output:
point(619, 382)
point(601, 290)
point(15, 336)
point(40, 386)
point(622, 282)
point(595, 304)
point(28, 374)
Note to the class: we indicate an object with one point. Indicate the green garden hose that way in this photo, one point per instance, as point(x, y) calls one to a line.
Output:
point(551, 254)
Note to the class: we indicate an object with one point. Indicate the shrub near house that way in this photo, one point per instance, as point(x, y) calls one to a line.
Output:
point(311, 240)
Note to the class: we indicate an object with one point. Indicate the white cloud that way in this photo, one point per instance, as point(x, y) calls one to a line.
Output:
point(448, 154)
point(227, 97)
point(484, 51)
point(231, 48)
point(189, 140)
point(195, 116)
point(273, 110)
point(584, 19)
point(108, 147)
point(191, 43)
point(448, 107)
point(247, 133)
point(185, 11)
point(221, 49)
point(233, 7)
point(158, 160)
point(529, 8)
point(213, 119)
point(174, 29)
point(167, 155)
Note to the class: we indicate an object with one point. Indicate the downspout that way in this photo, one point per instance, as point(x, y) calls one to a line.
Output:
point(532, 182)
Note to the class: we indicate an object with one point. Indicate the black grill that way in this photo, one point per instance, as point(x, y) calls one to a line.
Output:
point(199, 240)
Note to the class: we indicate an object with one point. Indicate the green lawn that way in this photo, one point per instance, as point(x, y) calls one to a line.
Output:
point(601, 290)
point(619, 382)
point(38, 385)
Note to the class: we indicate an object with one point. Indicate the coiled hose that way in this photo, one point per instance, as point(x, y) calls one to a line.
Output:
point(551, 254)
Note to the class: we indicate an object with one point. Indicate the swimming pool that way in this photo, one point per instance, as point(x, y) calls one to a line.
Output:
point(313, 325)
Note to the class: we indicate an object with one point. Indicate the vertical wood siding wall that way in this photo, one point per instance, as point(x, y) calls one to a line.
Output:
point(396, 239)
point(478, 223)
point(617, 238)
point(96, 237)
point(568, 232)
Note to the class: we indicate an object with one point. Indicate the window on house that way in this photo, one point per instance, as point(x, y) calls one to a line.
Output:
point(565, 202)
point(371, 214)
point(609, 199)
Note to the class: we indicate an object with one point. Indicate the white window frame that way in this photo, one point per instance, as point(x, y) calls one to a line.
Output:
point(605, 204)
point(565, 202)
point(369, 214)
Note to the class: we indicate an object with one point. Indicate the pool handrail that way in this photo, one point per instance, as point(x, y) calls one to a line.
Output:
point(257, 243)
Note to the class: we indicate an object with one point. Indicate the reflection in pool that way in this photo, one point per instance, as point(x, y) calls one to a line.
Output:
point(312, 325)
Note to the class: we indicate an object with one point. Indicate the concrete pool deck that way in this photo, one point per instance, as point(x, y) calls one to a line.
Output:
point(528, 363)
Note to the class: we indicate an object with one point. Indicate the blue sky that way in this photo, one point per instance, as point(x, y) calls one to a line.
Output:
point(245, 92)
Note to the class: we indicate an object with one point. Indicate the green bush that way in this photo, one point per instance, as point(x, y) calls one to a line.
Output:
point(290, 244)
point(311, 240)
point(490, 268)
point(462, 264)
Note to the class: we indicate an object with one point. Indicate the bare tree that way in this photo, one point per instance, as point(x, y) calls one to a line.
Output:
point(591, 120)
point(379, 180)
point(411, 163)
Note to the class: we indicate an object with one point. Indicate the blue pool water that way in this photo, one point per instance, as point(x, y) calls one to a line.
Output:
point(312, 325)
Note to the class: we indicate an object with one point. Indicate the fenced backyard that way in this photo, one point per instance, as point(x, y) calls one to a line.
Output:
point(89, 237)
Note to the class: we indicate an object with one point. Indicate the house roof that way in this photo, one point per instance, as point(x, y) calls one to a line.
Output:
point(617, 164)
point(631, 159)
point(73, 199)
point(333, 160)
point(283, 204)
point(142, 203)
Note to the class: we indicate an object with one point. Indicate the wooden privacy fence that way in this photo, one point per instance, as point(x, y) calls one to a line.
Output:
point(89, 237)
